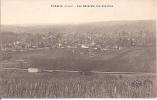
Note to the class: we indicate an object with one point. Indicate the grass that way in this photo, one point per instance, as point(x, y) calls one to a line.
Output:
point(102, 86)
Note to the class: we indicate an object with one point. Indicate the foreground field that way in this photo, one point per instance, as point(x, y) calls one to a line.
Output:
point(78, 86)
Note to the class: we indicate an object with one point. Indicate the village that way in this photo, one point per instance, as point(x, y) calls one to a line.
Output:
point(93, 43)
point(56, 40)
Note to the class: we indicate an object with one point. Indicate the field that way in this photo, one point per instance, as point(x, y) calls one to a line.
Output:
point(96, 86)
point(140, 59)
point(15, 83)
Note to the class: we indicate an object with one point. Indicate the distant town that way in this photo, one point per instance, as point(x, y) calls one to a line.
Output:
point(92, 41)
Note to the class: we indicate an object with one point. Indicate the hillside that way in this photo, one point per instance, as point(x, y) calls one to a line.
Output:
point(94, 27)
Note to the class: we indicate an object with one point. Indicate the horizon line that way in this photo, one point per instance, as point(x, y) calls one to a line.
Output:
point(75, 23)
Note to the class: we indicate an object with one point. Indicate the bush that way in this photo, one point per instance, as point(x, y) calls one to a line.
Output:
point(5, 56)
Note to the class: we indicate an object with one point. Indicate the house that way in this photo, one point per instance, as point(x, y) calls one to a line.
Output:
point(84, 46)
point(34, 70)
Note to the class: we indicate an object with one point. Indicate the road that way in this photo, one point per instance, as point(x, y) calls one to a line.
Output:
point(75, 71)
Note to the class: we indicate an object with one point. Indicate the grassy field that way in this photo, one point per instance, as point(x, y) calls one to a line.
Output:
point(76, 86)
point(15, 83)
point(127, 60)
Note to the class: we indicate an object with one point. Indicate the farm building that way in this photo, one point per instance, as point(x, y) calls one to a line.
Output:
point(34, 70)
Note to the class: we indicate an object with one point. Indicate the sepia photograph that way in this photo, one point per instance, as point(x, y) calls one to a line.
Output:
point(78, 49)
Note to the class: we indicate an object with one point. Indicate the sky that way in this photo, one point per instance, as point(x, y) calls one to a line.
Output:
point(40, 11)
